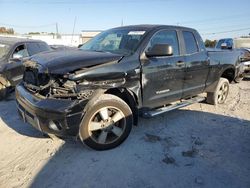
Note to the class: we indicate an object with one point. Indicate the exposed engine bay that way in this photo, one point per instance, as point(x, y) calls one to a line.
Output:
point(53, 86)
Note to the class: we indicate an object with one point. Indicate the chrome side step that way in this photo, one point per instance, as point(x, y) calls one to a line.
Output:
point(158, 111)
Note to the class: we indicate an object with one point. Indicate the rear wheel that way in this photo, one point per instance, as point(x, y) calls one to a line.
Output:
point(220, 94)
point(107, 123)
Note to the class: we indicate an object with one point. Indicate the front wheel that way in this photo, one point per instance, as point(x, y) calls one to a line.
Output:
point(106, 123)
point(239, 78)
point(3, 91)
point(220, 94)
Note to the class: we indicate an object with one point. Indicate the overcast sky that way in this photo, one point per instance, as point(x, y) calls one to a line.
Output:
point(213, 19)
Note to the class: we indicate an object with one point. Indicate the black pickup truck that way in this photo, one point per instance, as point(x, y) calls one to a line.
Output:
point(242, 45)
point(98, 91)
point(12, 52)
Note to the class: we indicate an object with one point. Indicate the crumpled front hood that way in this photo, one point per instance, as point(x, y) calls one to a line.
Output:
point(61, 62)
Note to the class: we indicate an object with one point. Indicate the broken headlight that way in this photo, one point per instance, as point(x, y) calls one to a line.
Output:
point(102, 83)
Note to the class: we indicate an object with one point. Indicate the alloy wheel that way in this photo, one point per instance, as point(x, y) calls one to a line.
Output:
point(222, 94)
point(106, 125)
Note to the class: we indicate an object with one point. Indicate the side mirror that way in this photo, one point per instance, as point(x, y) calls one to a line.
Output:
point(160, 50)
point(224, 45)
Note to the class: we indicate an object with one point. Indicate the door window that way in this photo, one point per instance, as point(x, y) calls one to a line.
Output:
point(35, 48)
point(21, 50)
point(43, 47)
point(166, 37)
point(190, 42)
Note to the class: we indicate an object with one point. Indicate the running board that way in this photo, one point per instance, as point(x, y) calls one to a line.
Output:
point(158, 111)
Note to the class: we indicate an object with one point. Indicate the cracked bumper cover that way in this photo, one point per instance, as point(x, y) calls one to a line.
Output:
point(59, 117)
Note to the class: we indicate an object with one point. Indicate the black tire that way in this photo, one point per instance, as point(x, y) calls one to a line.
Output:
point(220, 94)
point(238, 79)
point(107, 122)
point(3, 92)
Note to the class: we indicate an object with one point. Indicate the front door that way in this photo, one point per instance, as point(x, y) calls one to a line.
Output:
point(162, 77)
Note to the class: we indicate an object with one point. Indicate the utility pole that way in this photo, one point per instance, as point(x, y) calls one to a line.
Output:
point(122, 22)
point(57, 34)
point(73, 32)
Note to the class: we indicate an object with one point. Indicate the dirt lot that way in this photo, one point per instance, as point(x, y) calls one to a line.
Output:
point(197, 146)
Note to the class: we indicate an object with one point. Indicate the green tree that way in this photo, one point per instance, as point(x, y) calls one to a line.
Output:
point(5, 30)
point(210, 43)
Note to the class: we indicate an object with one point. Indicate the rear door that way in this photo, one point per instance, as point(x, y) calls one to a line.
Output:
point(197, 64)
point(162, 77)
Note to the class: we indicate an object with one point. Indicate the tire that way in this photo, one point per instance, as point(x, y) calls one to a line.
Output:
point(238, 79)
point(107, 122)
point(3, 92)
point(220, 94)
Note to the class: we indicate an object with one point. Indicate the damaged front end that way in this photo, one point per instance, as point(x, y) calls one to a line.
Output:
point(53, 86)
point(54, 103)
point(51, 103)
point(77, 85)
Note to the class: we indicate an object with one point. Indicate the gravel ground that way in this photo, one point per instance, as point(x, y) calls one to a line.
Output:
point(197, 146)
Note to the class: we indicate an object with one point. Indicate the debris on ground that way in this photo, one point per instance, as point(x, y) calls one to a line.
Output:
point(190, 153)
point(151, 138)
point(168, 159)
point(199, 180)
point(198, 141)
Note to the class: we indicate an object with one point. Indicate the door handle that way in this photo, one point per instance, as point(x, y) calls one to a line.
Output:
point(180, 63)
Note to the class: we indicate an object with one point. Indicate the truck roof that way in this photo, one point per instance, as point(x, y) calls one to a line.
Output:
point(12, 40)
point(153, 26)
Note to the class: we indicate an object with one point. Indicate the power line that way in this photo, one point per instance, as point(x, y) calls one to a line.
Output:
point(222, 27)
point(229, 31)
point(21, 26)
point(238, 16)
point(57, 2)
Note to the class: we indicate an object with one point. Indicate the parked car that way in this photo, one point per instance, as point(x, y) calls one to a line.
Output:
point(98, 91)
point(240, 44)
point(12, 52)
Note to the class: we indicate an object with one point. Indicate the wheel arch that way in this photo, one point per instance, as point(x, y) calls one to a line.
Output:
point(129, 97)
point(4, 81)
point(228, 73)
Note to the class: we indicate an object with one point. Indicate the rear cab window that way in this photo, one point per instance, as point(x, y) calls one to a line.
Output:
point(190, 42)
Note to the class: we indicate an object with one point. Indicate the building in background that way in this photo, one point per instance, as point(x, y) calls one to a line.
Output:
point(62, 39)
point(89, 34)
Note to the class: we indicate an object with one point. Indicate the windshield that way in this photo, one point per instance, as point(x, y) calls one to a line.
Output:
point(118, 41)
point(4, 49)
